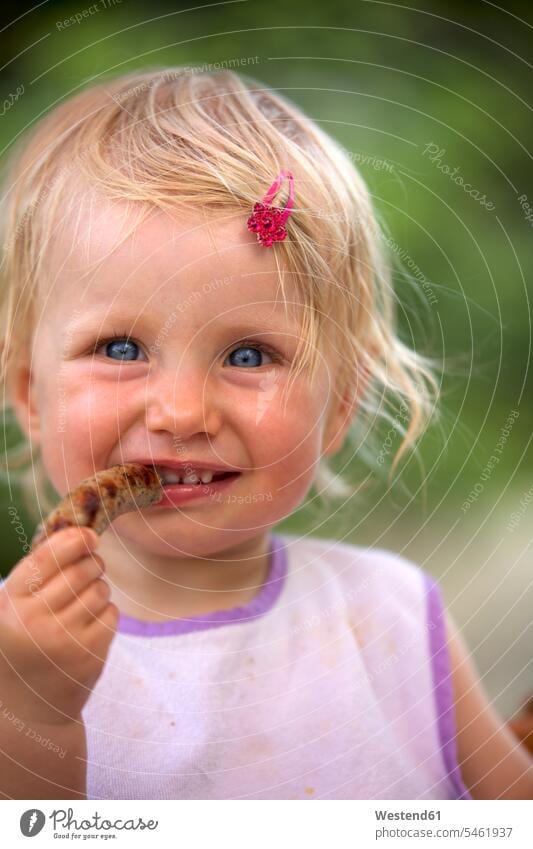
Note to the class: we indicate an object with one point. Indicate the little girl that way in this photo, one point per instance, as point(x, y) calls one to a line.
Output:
point(152, 313)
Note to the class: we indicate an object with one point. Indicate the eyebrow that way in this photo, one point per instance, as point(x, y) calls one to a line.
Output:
point(255, 324)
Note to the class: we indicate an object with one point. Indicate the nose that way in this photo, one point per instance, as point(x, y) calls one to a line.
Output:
point(182, 403)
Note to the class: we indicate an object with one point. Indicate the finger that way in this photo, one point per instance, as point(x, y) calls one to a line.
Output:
point(67, 585)
point(104, 625)
point(92, 601)
point(38, 535)
point(53, 554)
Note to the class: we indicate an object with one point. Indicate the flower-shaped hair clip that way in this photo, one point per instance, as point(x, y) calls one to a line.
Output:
point(268, 221)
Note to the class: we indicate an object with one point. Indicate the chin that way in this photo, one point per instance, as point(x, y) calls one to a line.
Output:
point(189, 538)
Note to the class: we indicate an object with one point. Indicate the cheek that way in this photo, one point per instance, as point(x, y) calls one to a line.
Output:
point(288, 433)
point(80, 423)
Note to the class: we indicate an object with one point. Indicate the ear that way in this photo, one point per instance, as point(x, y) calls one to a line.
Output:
point(341, 413)
point(22, 395)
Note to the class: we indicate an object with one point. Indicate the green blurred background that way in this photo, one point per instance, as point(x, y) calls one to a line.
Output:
point(387, 81)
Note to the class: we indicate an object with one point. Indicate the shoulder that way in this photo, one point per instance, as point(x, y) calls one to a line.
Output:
point(372, 571)
point(339, 552)
point(379, 594)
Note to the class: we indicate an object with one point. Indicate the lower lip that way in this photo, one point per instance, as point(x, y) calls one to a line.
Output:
point(179, 493)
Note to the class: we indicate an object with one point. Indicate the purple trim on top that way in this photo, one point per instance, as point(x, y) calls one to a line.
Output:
point(442, 683)
point(257, 606)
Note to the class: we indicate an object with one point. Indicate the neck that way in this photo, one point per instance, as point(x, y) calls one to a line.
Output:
point(161, 588)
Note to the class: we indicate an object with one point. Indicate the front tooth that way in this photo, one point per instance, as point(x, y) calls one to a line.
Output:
point(171, 477)
point(206, 477)
point(191, 478)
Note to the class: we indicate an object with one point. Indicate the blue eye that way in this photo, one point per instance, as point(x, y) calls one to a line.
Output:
point(122, 349)
point(125, 348)
point(247, 356)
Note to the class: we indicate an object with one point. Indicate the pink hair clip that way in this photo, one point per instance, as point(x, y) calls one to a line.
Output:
point(268, 221)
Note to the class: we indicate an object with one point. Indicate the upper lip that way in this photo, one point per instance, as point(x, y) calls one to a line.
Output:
point(184, 465)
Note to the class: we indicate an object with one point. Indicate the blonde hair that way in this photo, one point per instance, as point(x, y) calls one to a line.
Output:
point(168, 138)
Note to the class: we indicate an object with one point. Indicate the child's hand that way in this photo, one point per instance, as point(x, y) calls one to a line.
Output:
point(56, 626)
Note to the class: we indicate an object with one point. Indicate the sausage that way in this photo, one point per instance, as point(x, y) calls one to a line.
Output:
point(98, 500)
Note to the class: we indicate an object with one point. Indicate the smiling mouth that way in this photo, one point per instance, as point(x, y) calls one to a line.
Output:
point(191, 487)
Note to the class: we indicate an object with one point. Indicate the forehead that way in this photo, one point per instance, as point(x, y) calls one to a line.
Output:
point(111, 256)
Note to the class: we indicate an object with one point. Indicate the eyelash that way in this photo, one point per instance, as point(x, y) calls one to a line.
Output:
point(243, 343)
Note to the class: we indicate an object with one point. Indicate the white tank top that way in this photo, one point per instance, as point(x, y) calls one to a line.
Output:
point(331, 683)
